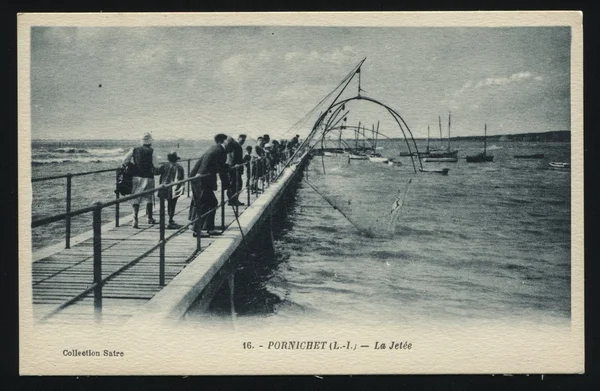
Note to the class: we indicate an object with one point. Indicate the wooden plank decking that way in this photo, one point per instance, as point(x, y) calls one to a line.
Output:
point(61, 276)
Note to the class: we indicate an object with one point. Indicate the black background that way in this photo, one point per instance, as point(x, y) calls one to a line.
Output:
point(9, 261)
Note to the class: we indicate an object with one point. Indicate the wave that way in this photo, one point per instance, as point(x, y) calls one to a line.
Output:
point(492, 147)
point(69, 150)
point(90, 151)
point(103, 151)
point(38, 162)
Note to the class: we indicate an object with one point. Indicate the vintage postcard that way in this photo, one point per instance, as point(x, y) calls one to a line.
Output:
point(301, 193)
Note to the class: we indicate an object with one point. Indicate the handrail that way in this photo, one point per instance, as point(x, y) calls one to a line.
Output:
point(267, 172)
point(46, 178)
point(62, 216)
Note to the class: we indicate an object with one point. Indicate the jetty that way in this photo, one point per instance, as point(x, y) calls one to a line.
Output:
point(115, 274)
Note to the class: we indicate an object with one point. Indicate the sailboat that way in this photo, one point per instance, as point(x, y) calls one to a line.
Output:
point(373, 155)
point(481, 157)
point(443, 155)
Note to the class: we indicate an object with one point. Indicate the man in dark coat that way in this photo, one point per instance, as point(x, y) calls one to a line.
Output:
point(235, 157)
point(211, 163)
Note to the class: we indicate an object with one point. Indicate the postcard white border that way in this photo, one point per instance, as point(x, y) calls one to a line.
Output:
point(470, 347)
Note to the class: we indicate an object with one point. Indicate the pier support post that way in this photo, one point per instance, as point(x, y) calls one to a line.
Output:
point(161, 267)
point(68, 209)
point(230, 281)
point(117, 205)
point(97, 229)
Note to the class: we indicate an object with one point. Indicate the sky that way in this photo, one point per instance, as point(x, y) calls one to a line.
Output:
point(194, 82)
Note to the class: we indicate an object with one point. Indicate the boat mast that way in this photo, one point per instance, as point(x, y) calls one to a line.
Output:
point(484, 138)
point(373, 137)
point(427, 138)
point(448, 131)
point(376, 135)
point(440, 123)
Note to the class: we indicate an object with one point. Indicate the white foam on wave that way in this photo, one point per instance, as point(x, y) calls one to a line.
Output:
point(105, 151)
point(75, 159)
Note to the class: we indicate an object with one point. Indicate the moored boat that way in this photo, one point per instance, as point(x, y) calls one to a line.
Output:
point(559, 165)
point(443, 171)
point(442, 154)
point(532, 156)
point(357, 156)
point(481, 157)
point(440, 159)
point(378, 159)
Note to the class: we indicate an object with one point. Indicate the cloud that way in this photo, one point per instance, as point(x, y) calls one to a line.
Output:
point(497, 81)
point(292, 55)
point(234, 66)
point(147, 57)
point(337, 56)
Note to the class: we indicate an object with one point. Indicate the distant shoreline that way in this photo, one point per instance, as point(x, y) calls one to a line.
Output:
point(555, 135)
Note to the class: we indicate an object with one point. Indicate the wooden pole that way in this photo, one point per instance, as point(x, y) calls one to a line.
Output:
point(68, 209)
point(97, 240)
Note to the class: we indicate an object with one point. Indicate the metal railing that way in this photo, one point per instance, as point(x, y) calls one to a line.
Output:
point(261, 172)
point(68, 198)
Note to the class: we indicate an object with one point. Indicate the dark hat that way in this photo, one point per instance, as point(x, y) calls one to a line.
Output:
point(172, 156)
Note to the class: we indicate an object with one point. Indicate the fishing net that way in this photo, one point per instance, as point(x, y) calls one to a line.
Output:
point(364, 156)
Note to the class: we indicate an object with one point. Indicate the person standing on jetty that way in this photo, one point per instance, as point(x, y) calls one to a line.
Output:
point(172, 172)
point(294, 142)
point(211, 163)
point(143, 166)
point(235, 157)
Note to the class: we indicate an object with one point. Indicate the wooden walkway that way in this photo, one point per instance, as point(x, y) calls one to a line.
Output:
point(63, 275)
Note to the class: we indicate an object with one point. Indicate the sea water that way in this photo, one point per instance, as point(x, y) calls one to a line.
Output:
point(487, 241)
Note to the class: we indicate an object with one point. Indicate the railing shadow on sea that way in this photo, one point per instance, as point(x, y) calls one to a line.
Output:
point(261, 172)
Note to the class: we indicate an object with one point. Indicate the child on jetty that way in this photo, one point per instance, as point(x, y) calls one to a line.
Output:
point(172, 172)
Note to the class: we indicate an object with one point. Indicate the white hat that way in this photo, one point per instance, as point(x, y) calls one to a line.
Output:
point(147, 138)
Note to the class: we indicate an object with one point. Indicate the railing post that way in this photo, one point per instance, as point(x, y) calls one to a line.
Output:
point(223, 206)
point(117, 205)
point(161, 195)
point(198, 240)
point(188, 175)
point(263, 171)
point(68, 218)
point(256, 177)
point(97, 229)
point(238, 180)
point(249, 181)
